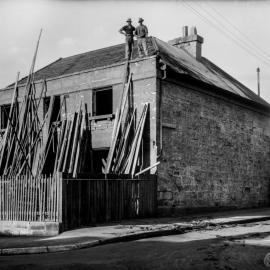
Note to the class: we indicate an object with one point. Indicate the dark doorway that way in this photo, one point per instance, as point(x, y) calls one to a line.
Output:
point(102, 101)
point(98, 155)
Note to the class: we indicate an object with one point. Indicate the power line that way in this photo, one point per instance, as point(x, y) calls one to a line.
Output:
point(247, 42)
point(235, 40)
point(224, 32)
point(239, 31)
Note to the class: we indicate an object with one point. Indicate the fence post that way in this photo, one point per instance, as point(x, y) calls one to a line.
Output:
point(1, 196)
point(155, 179)
point(107, 199)
point(59, 178)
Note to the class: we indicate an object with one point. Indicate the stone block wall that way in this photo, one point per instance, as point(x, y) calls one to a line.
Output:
point(215, 153)
point(28, 228)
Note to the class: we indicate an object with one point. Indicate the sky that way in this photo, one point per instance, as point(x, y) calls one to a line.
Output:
point(236, 33)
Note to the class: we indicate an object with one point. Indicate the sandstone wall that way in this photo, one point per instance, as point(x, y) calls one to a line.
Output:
point(215, 153)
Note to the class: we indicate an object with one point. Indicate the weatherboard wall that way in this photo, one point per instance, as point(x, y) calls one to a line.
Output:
point(215, 153)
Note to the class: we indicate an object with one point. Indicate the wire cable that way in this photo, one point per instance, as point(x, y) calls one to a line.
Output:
point(239, 31)
point(246, 42)
point(236, 41)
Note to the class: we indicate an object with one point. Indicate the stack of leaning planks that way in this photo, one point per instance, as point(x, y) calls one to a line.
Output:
point(73, 151)
point(22, 139)
point(61, 142)
point(33, 146)
point(127, 138)
point(65, 148)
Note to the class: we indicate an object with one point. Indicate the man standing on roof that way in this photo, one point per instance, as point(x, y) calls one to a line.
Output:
point(141, 33)
point(128, 31)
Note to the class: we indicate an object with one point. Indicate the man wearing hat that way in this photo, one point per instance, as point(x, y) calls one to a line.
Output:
point(141, 33)
point(128, 31)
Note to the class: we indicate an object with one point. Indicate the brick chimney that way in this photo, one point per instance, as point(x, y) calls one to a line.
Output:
point(191, 42)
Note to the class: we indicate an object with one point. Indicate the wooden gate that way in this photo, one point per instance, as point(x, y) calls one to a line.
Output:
point(88, 201)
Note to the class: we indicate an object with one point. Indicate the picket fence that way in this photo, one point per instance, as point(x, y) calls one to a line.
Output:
point(76, 202)
point(30, 199)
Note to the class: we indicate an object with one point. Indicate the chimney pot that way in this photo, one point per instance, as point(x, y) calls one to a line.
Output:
point(193, 30)
point(192, 43)
point(185, 31)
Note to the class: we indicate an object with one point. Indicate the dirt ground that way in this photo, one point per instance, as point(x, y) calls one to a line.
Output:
point(240, 247)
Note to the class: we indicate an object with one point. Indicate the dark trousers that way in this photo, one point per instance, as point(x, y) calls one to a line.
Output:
point(129, 47)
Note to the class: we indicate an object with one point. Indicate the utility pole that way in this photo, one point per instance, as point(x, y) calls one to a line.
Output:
point(258, 81)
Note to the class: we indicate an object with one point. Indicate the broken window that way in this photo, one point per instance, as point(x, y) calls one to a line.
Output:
point(5, 110)
point(102, 101)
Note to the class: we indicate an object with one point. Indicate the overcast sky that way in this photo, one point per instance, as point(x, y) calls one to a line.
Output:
point(71, 27)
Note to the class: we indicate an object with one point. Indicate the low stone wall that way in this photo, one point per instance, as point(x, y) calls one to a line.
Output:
point(29, 228)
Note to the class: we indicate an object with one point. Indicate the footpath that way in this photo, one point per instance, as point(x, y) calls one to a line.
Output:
point(127, 230)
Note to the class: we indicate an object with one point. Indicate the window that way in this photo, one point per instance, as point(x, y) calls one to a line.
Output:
point(55, 109)
point(46, 104)
point(5, 110)
point(102, 101)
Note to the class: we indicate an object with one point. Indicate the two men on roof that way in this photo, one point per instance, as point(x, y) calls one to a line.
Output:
point(141, 32)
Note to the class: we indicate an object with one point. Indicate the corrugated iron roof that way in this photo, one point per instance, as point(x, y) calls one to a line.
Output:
point(203, 70)
point(178, 59)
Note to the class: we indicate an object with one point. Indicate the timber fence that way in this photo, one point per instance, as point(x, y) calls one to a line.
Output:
point(76, 202)
point(87, 201)
point(30, 199)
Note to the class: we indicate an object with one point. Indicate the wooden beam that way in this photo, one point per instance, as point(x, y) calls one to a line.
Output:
point(147, 169)
point(114, 140)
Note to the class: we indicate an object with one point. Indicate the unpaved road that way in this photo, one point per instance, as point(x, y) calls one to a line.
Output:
point(231, 247)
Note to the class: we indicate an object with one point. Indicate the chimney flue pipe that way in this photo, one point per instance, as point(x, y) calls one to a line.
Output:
point(258, 81)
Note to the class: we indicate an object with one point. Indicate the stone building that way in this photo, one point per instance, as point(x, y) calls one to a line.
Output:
point(210, 133)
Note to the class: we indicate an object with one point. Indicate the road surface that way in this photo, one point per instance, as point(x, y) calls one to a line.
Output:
point(224, 247)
